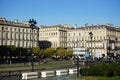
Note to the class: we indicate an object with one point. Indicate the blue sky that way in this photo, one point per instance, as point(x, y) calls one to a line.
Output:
point(53, 12)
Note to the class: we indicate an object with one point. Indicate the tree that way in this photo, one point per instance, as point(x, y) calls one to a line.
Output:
point(61, 52)
point(3, 51)
point(49, 52)
point(3, 54)
point(36, 50)
point(11, 50)
point(70, 52)
point(21, 52)
point(41, 54)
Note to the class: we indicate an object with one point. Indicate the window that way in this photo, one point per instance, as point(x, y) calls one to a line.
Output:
point(18, 30)
point(14, 36)
point(100, 37)
point(11, 35)
point(104, 37)
point(11, 29)
point(2, 28)
point(69, 34)
point(15, 29)
point(4, 42)
point(73, 34)
point(6, 28)
point(19, 36)
point(56, 33)
point(23, 30)
point(30, 31)
point(6, 35)
point(94, 38)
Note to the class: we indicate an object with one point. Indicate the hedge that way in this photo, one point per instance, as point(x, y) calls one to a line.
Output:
point(103, 69)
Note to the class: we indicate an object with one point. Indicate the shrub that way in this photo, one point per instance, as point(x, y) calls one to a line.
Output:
point(116, 69)
point(103, 69)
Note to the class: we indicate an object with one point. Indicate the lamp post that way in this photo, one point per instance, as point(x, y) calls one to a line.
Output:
point(108, 54)
point(115, 54)
point(8, 57)
point(32, 23)
point(91, 36)
point(74, 46)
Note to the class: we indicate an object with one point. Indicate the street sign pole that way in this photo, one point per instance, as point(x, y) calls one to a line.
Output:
point(78, 71)
point(77, 52)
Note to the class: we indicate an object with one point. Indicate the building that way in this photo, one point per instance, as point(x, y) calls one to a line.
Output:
point(56, 35)
point(105, 40)
point(17, 34)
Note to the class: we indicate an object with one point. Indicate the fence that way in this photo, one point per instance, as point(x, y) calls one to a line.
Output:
point(44, 74)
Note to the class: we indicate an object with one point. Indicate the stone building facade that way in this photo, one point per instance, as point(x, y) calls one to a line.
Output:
point(105, 40)
point(56, 35)
point(17, 34)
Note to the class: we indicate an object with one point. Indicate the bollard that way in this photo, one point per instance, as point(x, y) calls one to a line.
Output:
point(30, 75)
point(43, 74)
point(58, 73)
point(47, 73)
point(70, 71)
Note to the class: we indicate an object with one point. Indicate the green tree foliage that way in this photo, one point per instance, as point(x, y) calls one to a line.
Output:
point(41, 54)
point(50, 51)
point(36, 50)
point(11, 48)
point(61, 52)
point(70, 52)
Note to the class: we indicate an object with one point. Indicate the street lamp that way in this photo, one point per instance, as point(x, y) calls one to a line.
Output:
point(115, 48)
point(108, 48)
point(116, 40)
point(8, 57)
point(91, 36)
point(74, 46)
point(32, 23)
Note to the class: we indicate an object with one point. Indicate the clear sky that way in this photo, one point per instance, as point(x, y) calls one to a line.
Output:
point(53, 12)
